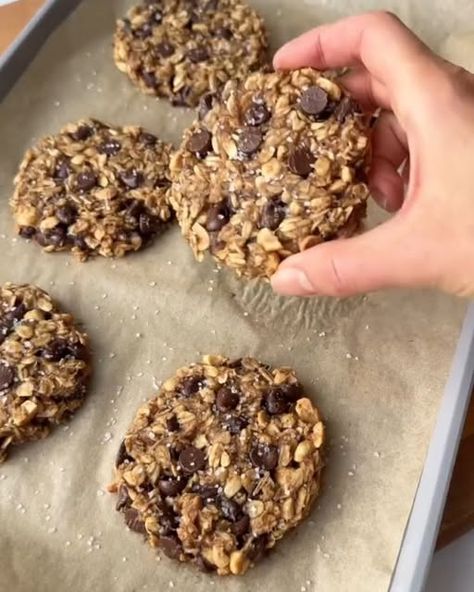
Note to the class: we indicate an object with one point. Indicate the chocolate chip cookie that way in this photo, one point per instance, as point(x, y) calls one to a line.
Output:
point(221, 463)
point(93, 189)
point(182, 49)
point(275, 165)
point(44, 365)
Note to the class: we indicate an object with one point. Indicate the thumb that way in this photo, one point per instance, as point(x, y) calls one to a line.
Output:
point(388, 256)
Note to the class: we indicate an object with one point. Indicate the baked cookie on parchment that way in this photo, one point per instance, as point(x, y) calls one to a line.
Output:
point(44, 365)
point(93, 189)
point(221, 463)
point(183, 49)
point(275, 165)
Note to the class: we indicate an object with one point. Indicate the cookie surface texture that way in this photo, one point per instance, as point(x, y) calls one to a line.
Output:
point(93, 189)
point(275, 166)
point(221, 463)
point(182, 49)
point(44, 365)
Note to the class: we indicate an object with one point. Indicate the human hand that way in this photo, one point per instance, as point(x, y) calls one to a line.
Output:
point(427, 123)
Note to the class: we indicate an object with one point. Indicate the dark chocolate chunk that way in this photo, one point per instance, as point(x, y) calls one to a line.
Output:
point(80, 243)
point(123, 500)
point(200, 143)
point(276, 401)
point(131, 178)
point(110, 147)
point(122, 455)
point(27, 231)
point(182, 97)
point(226, 399)
point(198, 54)
point(165, 49)
point(57, 236)
point(7, 375)
point(86, 181)
point(147, 139)
point(205, 104)
point(300, 160)
point(235, 424)
point(313, 100)
point(133, 521)
point(191, 385)
point(67, 214)
point(223, 33)
point(249, 141)
point(218, 216)
point(257, 114)
point(258, 548)
point(208, 493)
point(273, 214)
point(230, 509)
point(242, 526)
point(293, 391)
point(191, 459)
point(144, 31)
point(171, 546)
point(147, 225)
point(171, 486)
point(150, 79)
point(264, 456)
point(62, 170)
point(82, 133)
point(347, 106)
point(172, 424)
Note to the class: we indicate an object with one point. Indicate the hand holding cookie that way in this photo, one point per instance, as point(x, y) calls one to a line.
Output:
point(425, 125)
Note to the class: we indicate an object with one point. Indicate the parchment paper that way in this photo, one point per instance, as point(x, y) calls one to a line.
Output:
point(375, 365)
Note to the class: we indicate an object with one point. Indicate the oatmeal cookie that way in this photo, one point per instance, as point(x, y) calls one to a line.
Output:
point(182, 49)
point(93, 189)
point(44, 365)
point(274, 166)
point(221, 463)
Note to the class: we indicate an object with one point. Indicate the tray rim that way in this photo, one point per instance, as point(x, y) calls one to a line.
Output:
point(419, 539)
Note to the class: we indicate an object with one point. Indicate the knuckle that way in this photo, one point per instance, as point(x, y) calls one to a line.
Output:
point(386, 18)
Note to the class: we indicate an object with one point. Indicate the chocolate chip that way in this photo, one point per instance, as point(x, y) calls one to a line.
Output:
point(206, 103)
point(300, 160)
point(223, 33)
point(204, 565)
point(7, 376)
point(131, 178)
point(82, 133)
point(257, 114)
point(10, 318)
point(57, 236)
point(165, 49)
point(27, 231)
point(60, 349)
point(235, 424)
point(162, 183)
point(110, 147)
point(200, 143)
point(122, 455)
point(149, 79)
point(313, 100)
point(264, 456)
point(344, 108)
point(191, 459)
point(249, 141)
point(143, 32)
point(191, 385)
point(123, 500)
point(147, 139)
point(133, 521)
point(258, 548)
point(147, 225)
point(172, 424)
point(182, 97)
point(198, 54)
point(230, 509)
point(241, 527)
point(235, 364)
point(168, 520)
point(218, 216)
point(273, 214)
point(276, 402)
point(156, 17)
point(293, 391)
point(62, 170)
point(66, 214)
point(80, 243)
point(86, 181)
point(171, 546)
point(171, 486)
point(226, 399)
point(208, 493)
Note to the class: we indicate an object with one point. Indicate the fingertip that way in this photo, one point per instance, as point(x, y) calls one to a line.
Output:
point(291, 281)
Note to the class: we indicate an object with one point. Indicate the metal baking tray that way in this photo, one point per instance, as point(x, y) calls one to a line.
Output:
point(418, 544)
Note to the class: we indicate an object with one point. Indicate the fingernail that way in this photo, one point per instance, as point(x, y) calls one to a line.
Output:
point(292, 281)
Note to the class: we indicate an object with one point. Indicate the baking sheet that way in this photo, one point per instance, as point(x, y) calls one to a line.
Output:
point(376, 365)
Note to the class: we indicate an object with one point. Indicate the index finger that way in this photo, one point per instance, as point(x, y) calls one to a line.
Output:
point(379, 41)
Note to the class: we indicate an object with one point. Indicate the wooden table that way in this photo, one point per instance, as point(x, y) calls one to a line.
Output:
point(459, 512)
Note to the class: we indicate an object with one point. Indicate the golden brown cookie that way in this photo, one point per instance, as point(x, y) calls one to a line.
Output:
point(183, 49)
point(221, 463)
point(274, 166)
point(44, 365)
point(93, 189)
